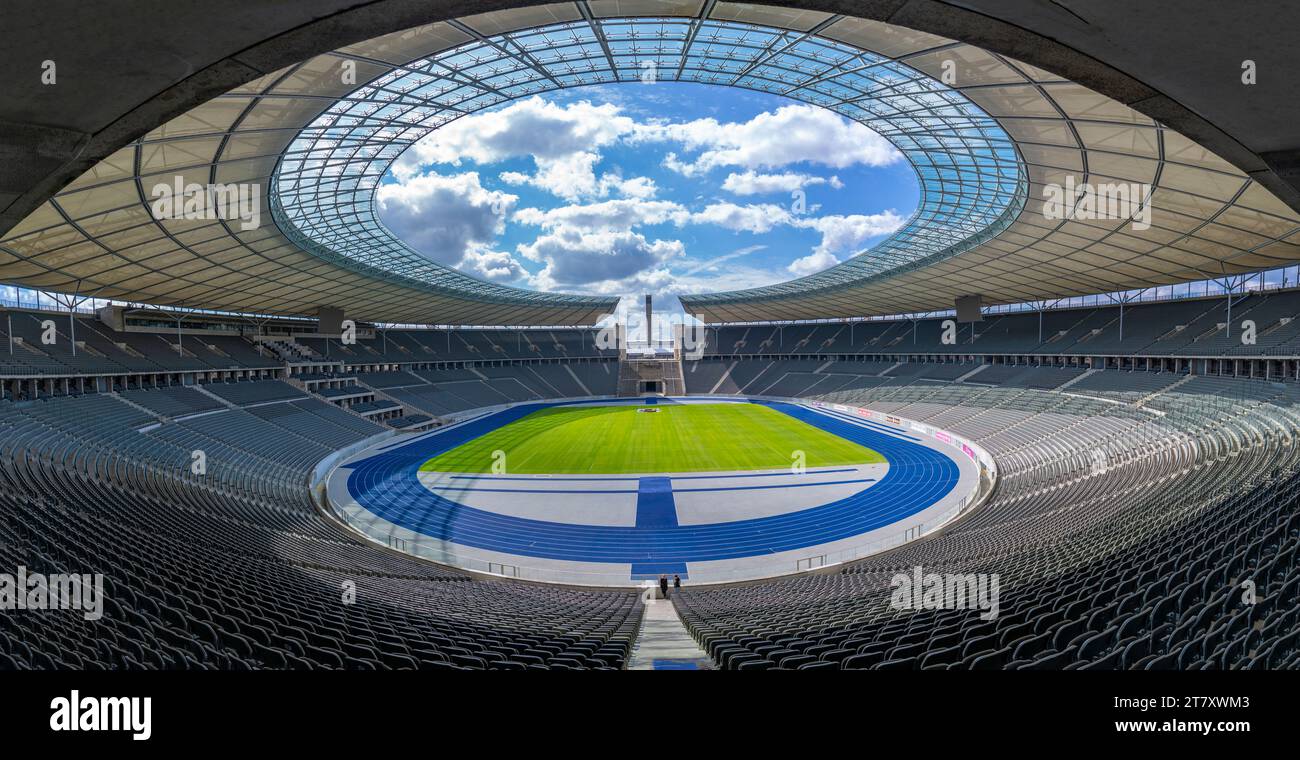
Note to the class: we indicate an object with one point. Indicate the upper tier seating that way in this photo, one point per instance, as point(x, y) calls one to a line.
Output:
point(403, 346)
point(1171, 328)
point(1192, 328)
point(92, 348)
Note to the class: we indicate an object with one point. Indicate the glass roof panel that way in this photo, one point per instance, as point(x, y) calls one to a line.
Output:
point(973, 182)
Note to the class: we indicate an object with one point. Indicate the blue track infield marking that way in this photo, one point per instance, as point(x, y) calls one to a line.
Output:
point(472, 489)
point(773, 486)
point(675, 665)
point(590, 479)
point(678, 663)
point(655, 507)
point(387, 485)
point(778, 485)
point(650, 571)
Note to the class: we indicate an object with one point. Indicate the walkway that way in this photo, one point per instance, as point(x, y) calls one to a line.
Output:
point(663, 643)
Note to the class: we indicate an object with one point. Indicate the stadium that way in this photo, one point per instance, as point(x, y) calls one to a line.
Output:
point(650, 335)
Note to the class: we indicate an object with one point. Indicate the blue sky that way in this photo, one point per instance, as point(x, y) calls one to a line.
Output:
point(661, 187)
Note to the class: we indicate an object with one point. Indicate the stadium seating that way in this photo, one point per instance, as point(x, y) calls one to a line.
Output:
point(1173, 328)
point(1121, 559)
point(441, 392)
point(102, 350)
point(1130, 509)
point(236, 569)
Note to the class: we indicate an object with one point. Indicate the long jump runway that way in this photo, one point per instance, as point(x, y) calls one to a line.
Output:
point(621, 529)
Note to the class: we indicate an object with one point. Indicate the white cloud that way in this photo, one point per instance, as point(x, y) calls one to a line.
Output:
point(732, 277)
point(839, 234)
point(752, 218)
point(813, 262)
point(788, 135)
point(712, 264)
point(531, 127)
point(575, 257)
point(593, 244)
point(570, 177)
point(563, 141)
point(444, 216)
point(621, 214)
point(845, 234)
point(656, 281)
point(637, 187)
point(497, 266)
point(574, 178)
point(754, 183)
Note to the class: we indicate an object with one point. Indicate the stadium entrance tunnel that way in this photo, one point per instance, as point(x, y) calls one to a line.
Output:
point(520, 491)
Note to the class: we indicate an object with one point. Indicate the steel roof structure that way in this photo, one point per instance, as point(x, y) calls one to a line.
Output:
point(984, 147)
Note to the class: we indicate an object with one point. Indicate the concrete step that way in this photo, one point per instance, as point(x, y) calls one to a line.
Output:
point(663, 642)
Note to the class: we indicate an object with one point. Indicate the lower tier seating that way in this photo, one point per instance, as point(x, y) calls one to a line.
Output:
point(235, 569)
point(1122, 536)
point(1131, 517)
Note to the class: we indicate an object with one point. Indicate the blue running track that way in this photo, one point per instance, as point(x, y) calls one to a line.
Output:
point(388, 485)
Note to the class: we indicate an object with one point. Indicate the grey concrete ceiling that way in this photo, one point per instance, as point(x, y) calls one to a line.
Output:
point(124, 72)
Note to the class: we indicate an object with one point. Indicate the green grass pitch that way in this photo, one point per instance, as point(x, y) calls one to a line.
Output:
point(676, 438)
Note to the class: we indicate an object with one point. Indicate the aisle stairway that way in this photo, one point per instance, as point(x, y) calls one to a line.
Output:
point(667, 372)
point(663, 643)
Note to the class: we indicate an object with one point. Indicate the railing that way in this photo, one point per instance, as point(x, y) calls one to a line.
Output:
point(810, 563)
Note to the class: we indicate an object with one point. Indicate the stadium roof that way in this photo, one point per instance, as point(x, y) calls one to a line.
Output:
point(984, 149)
point(1208, 219)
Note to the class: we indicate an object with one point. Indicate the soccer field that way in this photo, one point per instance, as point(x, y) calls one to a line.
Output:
point(672, 438)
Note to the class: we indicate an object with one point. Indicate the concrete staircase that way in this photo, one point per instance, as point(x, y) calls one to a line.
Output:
point(291, 351)
point(975, 371)
point(139, 408)
point(1074, 380)
point(663, 642)
point(1145, 399)
point(667, 372)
